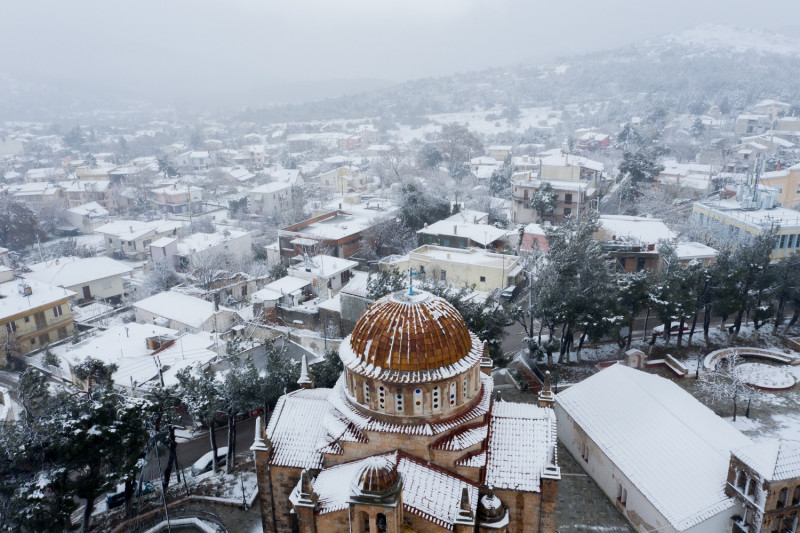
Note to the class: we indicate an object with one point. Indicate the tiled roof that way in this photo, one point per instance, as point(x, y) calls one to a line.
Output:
point(410, 332)
point(428, 492)
point(776, 460)
point(296, 429)
point(645, 424)
point(462, 439)
point(521, 444)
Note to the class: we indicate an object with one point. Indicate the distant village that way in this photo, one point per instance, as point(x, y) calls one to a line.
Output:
point(171, 247)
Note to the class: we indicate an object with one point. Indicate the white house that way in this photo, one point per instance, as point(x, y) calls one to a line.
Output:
point(660, 455)
point(87, 217)
point(182, 312)
point(132, 237)
point(324, 271)
point(270, 199)
point(193, 249)
point(91, 277)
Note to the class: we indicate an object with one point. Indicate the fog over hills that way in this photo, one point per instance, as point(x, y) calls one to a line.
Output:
point(708, 61)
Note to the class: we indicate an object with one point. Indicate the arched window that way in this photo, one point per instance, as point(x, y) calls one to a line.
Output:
point(453, 394)
point(783, 495)
point(398, 401)
point(741, 481)
point(417, 401)
point(380, 522)
point(381, 398)
point(796, 495)
point(751, 489)
point(365, 520)
point(436, 399)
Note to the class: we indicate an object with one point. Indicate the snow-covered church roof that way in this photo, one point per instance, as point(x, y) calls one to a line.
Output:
point(775, 459)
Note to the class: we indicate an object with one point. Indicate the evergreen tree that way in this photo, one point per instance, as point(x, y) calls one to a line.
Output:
point(327, 372)
point(19, 226)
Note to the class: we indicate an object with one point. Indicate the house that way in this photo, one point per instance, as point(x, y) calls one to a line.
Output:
point(196, 160)
point(178, 199)
point(32, 314)
point(633, 242)
point(132, 237)
point(485, 270)
point(90, 278)
point(87, 217)
point(198, 248)
point(454, 234)
point(144, 354)
point(499, 152)
point(83, 192)
point(182, 312)
point(695, 251)
point(287, 292)
point(786, 183)
point(239, 175)
point(44, 175)
point(630, 431)
point(555, 165)
point(327, 274)
point(99, 172)
point(408, 443)
point(340, 231)
point(753, 124)
point(573, 198)
point(34, 195)
point(592, 141)
point(353, 301)
point(772, 108)
point(270, 199)
point(534, 238)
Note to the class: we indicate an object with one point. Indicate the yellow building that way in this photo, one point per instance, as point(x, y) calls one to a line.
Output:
point(32, 314)
point(726, 220)
point(487, 271)
point(787, 182)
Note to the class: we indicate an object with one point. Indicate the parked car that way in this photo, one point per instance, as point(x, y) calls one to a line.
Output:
point(115, 499)
point(205, 463)
point(674, 328)
point(509, 293)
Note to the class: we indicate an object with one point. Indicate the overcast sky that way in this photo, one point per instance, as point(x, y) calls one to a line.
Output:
point(217, 44)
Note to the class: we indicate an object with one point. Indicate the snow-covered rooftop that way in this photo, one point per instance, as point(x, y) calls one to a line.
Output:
point(645, 424)
point(133, 229)
point(522, 440)
point(75, 271)
point(13, 301)
point(199, 242)
point(90, 209)
point(322, 265)
point(643, 229)
point(178, 307)
point(774, 459)
point(694, 250)
point(428, 492)
point(281, 287)
point(294, 443)
point(482, 234)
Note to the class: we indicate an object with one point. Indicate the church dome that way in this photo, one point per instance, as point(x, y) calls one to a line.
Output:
point(410, 333)
point(377, 476)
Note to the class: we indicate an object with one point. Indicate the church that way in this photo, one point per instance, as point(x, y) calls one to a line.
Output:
point(411, 437)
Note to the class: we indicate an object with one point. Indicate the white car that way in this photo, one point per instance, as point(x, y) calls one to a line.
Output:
point(205, 463)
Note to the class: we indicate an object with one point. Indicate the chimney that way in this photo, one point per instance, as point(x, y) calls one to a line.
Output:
point(455, 229)
point(130, 228)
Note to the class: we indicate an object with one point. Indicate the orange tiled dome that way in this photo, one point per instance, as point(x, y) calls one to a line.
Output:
point(410, 333)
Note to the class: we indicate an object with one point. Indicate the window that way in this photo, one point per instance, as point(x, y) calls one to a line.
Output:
point(381, 398)
point(443, 275)
point(751, 489)
point(44, 338)
point(417, 401)
point(366, 393)
point(791, 241)
point(741, 481)
point(567, 211)
point(110, 241)
point(783, 241)
point(796, 495)
point(436, 399)
point(398, 401)
point(27, 319)
point(483, 279)
point(57, 312)
point(568, 198)
point(525, 194)
point(452, 394)
point(465, 390)
point(641, 264)
point(11, 327)
point(783, 495)
point(62, 332)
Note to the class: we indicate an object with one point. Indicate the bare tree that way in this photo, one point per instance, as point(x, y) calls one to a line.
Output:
point(724, 383)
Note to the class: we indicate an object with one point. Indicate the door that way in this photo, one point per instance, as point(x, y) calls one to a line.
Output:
point(87, 293)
